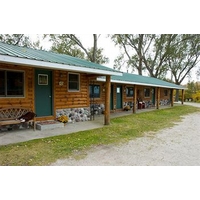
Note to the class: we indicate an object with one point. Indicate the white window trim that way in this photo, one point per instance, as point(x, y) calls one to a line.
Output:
point(72, 90)
point(12, 70)
point(149, 92)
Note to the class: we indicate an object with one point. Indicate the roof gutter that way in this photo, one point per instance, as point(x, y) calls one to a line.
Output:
point(56, 66)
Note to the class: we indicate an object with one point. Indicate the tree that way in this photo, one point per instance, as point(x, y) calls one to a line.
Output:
point(98, 56)
point(144, 52)
point(159, 54)
point(20, 40)
point(192, 88)
point(131, 55)
point(70, 44)
point(63, 44)
point(193, 91)
point(196, 96)
point(156, 55)
point(184, 56)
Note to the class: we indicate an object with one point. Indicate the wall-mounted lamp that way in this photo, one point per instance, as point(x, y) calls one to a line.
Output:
point(60, 75)
point(61, 83)
point(125, 88)
point(103, 86)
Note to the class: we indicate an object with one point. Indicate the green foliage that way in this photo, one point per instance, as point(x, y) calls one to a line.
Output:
point(16, 39)
point(61, 43)
point(99, 58)
point(196, 96)
point(71, 45)
point(122, 129)
point(159, 54)
point(20, 40)
point(192, 91)
point(184, 56)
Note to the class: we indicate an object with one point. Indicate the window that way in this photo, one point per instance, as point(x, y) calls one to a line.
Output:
point(11, 84)
point(2, 83)
point(146, 92)
point(42, 79)
point(73, 82)
point(95, 91)
point(165, 92)
point(129, 92)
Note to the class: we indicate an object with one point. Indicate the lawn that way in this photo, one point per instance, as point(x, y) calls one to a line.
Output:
point(42, 152)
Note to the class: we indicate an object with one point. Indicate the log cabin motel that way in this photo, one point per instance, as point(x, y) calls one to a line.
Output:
point(53, 84)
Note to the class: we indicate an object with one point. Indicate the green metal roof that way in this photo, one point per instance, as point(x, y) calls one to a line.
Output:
point(134, 79)
point(144, 80)
point(51, 57)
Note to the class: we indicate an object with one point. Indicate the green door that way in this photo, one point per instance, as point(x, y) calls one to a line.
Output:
point(153, 96)
point(119, 97)
point(111, 98)
point(43, 92)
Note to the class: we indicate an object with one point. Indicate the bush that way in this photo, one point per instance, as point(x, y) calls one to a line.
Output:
point(196, 96)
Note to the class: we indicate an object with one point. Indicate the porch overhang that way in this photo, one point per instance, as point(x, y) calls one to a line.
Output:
point(56, 66)
point(141, 83)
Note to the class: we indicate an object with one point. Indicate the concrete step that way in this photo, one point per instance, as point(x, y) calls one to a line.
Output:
point(48, 125)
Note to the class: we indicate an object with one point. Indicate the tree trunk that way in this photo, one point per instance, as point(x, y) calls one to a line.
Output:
point(140, 53)
point(94, 48)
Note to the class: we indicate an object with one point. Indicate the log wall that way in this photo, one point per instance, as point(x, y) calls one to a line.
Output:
point(28, 99)
point(100, 100)
point(62, 98)
point(70, 99)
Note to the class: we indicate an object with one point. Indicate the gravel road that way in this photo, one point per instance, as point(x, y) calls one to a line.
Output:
point(176, 146)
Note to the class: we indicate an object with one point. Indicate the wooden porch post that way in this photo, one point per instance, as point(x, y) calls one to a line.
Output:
point(107, 101)
point(158, 98)
point(182, 99)
point(135, 99)
point(172, 97)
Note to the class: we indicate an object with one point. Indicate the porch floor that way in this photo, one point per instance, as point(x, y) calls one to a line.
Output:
point(15, 136)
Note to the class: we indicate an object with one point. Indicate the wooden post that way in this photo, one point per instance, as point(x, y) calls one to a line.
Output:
point(172, 97)
point(182, 100)
point(107, 101)
point(135, 99)
point(158, 98)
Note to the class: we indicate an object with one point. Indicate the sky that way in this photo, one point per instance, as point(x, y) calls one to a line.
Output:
point(106, 17)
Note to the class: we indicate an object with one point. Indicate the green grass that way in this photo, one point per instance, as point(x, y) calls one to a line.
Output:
point(42, 152)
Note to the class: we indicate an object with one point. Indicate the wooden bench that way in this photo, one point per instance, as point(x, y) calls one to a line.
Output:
point(9, 116)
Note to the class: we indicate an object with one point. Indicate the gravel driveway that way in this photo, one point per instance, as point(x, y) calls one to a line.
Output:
point(176, 146)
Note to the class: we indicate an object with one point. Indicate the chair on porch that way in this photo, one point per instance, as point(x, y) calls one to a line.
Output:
point(140, 103)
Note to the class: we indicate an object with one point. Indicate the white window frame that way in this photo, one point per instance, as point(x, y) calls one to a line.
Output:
point(145, 92)
point(74, 90)
point(24, 85)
